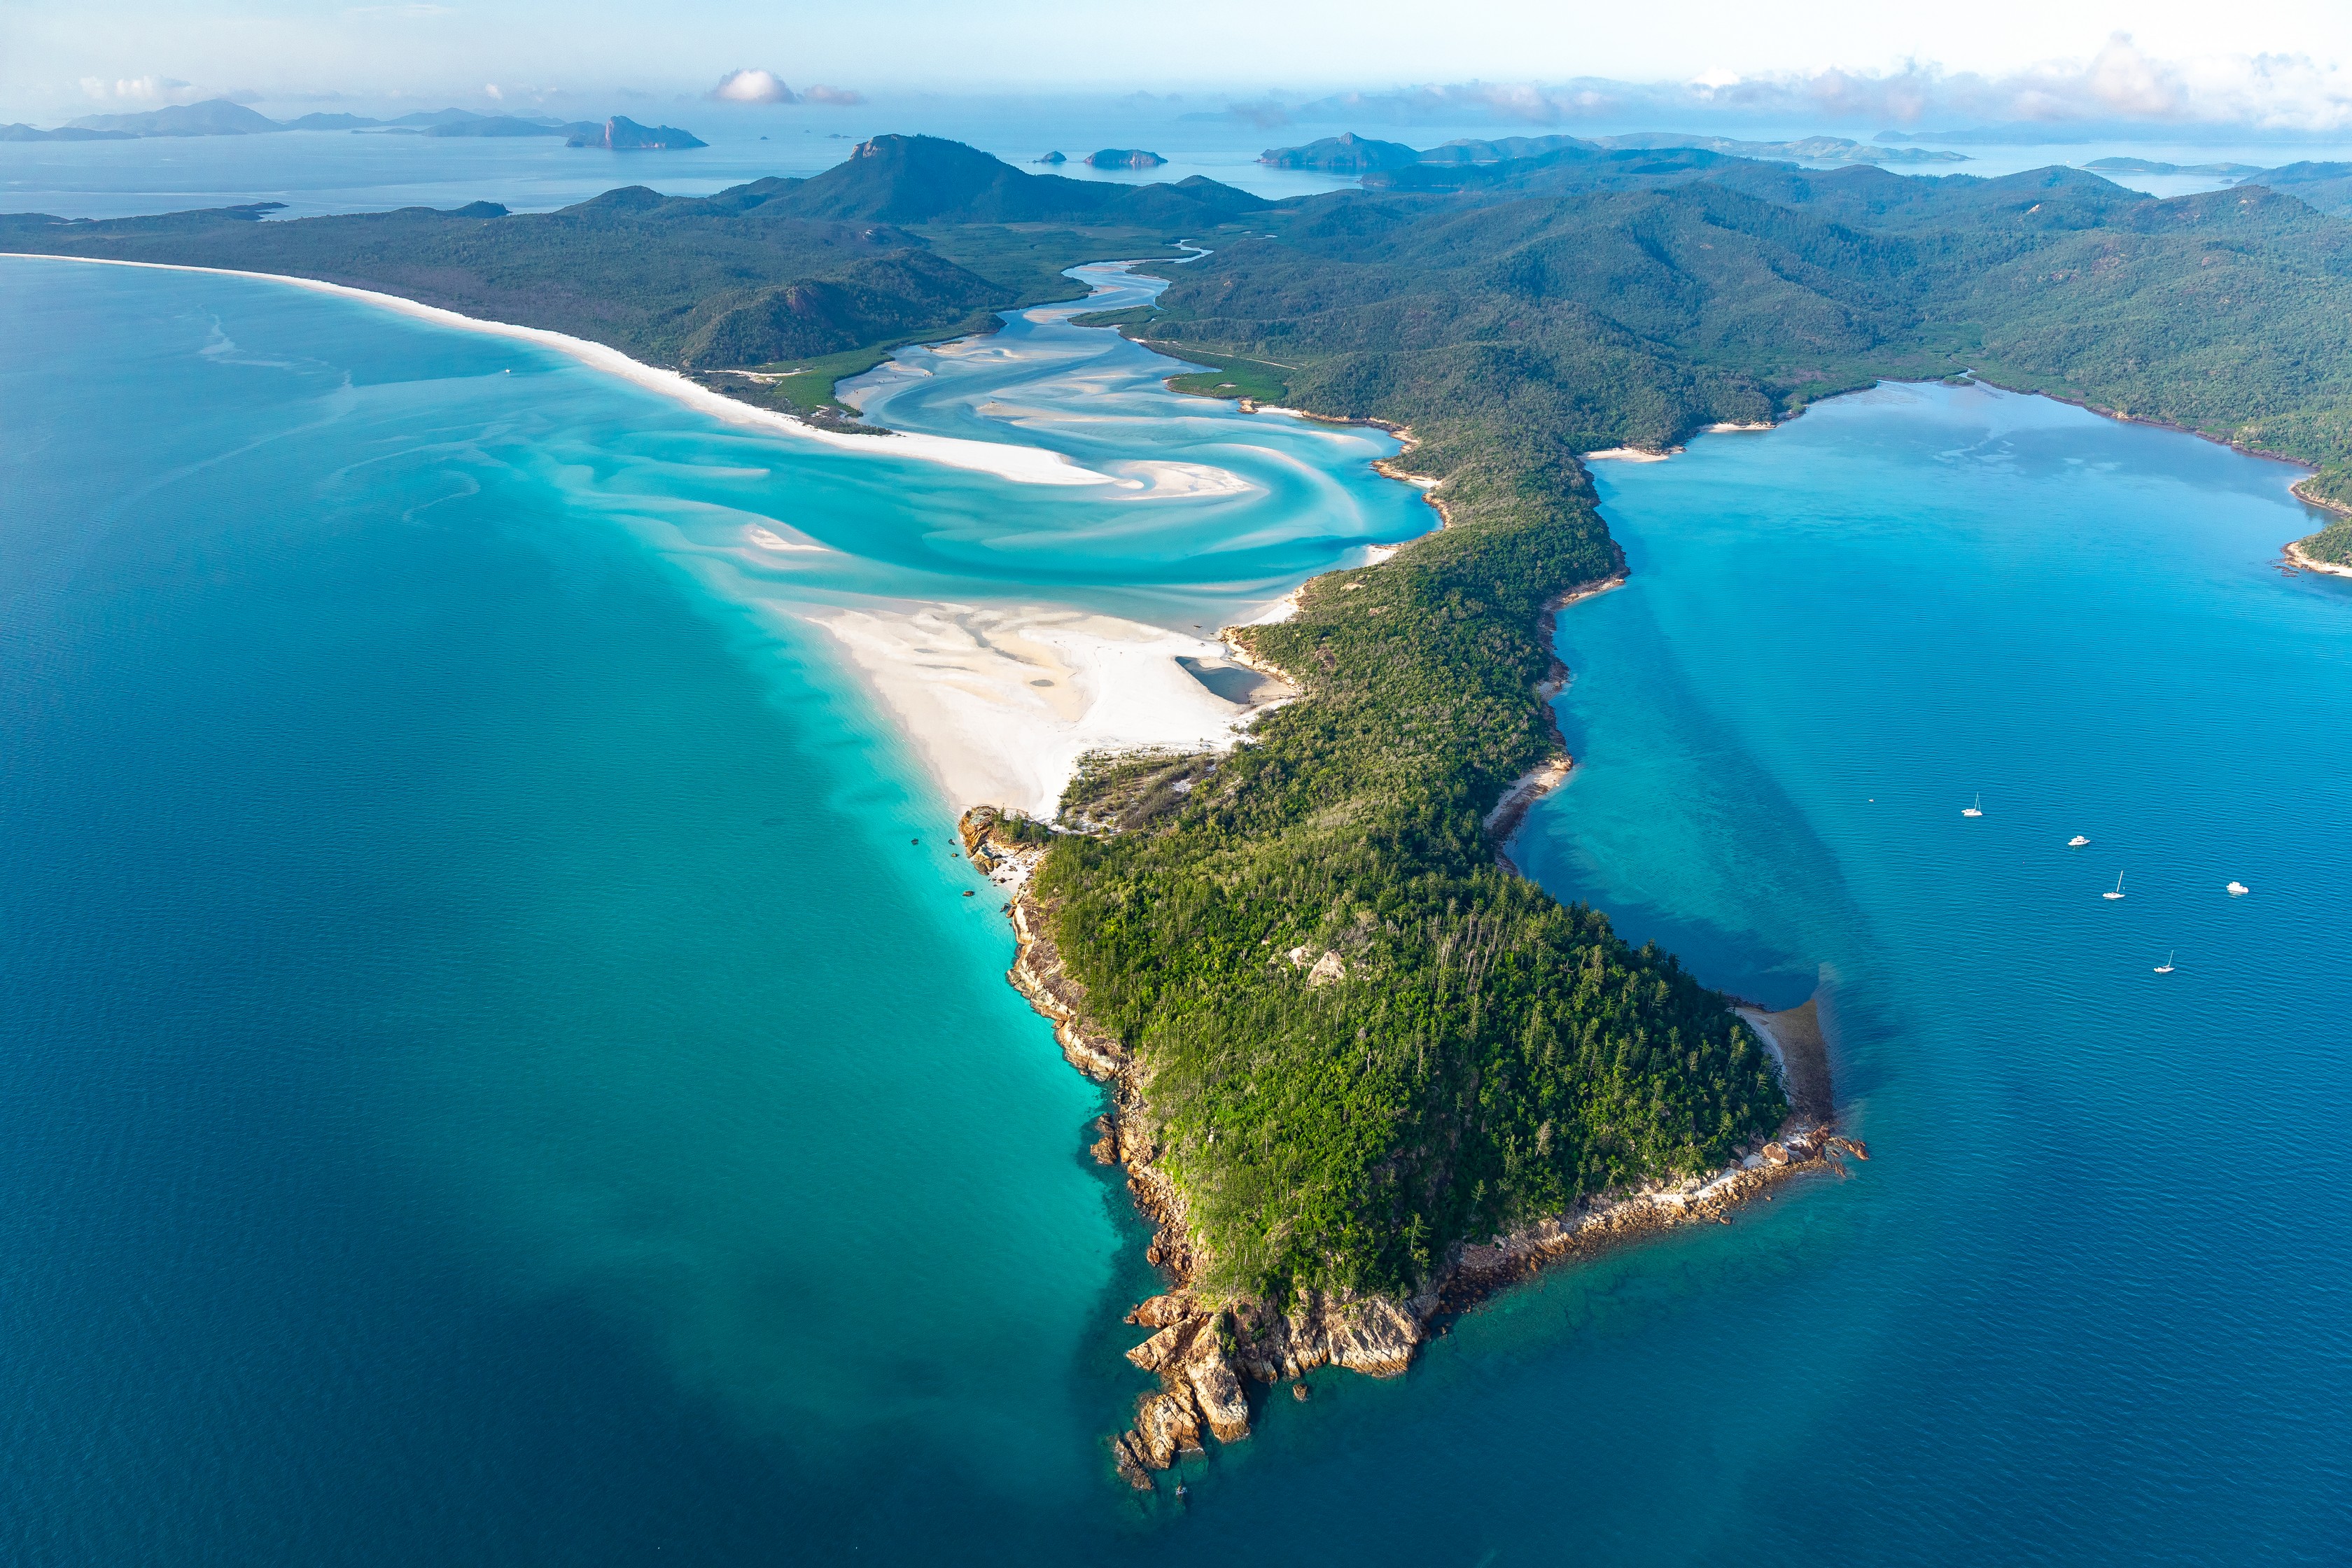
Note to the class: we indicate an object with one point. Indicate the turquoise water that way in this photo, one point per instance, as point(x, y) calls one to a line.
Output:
point(484, 1076)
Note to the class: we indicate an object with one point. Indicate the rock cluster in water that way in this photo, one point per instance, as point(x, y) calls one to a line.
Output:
point(1202, 1353)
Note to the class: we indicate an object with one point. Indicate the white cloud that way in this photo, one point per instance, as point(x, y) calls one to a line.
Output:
point(146, 89)
point(2121, 83)
point(753, 87)
point(490, 89)
point(840, 97)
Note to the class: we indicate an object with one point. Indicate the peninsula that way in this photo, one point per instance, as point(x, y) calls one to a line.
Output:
point(1360, 1068)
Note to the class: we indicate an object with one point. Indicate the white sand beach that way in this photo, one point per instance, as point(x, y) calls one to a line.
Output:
point(1003, 701)
point(1023, 465)
point(1627, 455)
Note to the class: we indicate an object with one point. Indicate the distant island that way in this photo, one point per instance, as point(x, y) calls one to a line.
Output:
point(622, 134)
point(2150, 166)
point(1348, 154)
point(219, 117)
point(1124, 158)
point(1052, 158)
point(1358, 1069)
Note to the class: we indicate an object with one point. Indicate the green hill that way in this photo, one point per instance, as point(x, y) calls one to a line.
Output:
point(213, 117)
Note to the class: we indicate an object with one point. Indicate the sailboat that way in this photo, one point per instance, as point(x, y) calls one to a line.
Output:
point(2119, 887)
point(2166, 967)
point(1975, 810)
point(2076, 842)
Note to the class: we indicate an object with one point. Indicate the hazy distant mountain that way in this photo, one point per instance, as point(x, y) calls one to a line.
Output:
point(926, 179)
point(22, 133)
point(2150, 166)
point(219, 117)
point(2327, 186)
point(1345, 153)
point(213, 117)
point(2032, 134)
point(1810, 148)
point(1469, 151)
point(1353, 154)
point(623, 134)
point(331, 122)
point(499, 125)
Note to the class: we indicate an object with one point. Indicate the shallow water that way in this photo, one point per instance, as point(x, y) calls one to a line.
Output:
point(488, 1077)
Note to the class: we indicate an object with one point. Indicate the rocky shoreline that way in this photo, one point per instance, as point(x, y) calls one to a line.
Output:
point(1208, 1353)
point(2308, 563)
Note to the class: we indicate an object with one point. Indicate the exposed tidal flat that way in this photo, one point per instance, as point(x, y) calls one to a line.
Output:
point(491, 1079)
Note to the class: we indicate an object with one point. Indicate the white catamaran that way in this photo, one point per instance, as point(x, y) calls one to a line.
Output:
point(2119, 887)
point(1975, 810)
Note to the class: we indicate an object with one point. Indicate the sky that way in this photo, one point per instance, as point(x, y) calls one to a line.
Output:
point(2276, 64)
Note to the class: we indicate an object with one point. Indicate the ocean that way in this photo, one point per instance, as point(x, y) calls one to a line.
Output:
point(495, 1067)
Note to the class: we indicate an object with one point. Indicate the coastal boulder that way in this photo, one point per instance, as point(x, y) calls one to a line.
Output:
point(1166, 1348)
point(1160, 1312)
point(1126, 1454)
point(1164, 1427)
point(1374, 1336)
point(1219, 1395)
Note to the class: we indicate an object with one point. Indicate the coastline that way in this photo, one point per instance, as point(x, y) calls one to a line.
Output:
point(2294, 554)
point(1022, 464)
point(1546, 776)
point(1208, 1353)
point(959, 681)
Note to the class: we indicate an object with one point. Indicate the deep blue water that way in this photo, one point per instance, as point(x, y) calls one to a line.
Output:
point(485, 1077)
